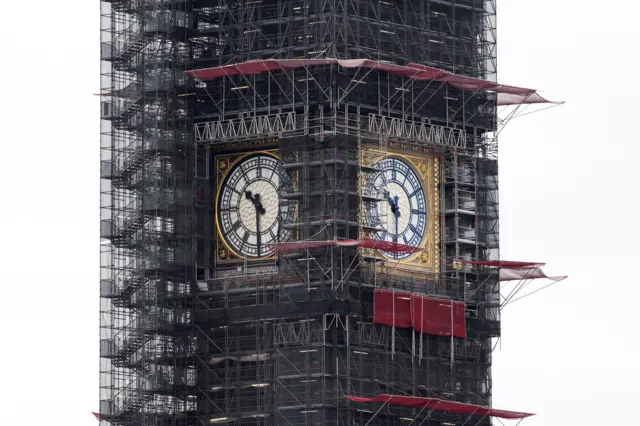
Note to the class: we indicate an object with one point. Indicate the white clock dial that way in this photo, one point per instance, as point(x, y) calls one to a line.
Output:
point(249, 209)
point(400, 213)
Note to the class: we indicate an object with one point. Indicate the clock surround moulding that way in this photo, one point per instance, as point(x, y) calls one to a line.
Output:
point(426, 165)
point(225, 164)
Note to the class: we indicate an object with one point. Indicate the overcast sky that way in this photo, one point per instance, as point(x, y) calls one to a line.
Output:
point(569, 196)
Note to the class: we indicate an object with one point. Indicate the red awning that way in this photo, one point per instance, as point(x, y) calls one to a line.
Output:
point(507, 95)
point(520, 274)
point(441, 405)
point(515, 271)
point(368, 243)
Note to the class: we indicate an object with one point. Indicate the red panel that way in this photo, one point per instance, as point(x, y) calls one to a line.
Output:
point(433, 316)
point(387, 246)
point(392, 308)
point(441, 405)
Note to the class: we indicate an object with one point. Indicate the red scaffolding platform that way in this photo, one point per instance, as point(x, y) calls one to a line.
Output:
point(437, 404)
point(507, 95)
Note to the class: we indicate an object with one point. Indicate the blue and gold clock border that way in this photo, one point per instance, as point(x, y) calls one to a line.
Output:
point(427, 168)
point(224, 164)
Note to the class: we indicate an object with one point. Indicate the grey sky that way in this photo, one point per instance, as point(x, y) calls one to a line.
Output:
point(568, 197)
point(568, 178)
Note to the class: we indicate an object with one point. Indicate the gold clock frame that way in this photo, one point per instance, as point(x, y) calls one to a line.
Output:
point(223, 166)
point(427, 169)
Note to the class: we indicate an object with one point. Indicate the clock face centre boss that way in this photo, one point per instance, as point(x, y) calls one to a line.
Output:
point(250, 210)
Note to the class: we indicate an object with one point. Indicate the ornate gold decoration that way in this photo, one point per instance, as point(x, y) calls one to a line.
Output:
point(423, 169)
point(223, 254)
point(224, 165)
point(427, 166)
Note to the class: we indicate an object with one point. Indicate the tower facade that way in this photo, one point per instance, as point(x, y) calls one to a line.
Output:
point(289, 206)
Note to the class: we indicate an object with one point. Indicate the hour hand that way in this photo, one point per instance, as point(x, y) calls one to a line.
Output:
point(248, 195)
point(258, 203)
point(389, 200)
point(394, 204)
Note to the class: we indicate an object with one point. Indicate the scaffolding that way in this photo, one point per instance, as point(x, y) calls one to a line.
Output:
point(147, 216)
point(189, 340)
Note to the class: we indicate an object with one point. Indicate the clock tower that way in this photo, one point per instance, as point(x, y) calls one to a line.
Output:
point(288, 190)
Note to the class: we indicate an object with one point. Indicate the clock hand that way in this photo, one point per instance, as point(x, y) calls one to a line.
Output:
point(390, 201)
point(397, 208)
point(396, 213)
point(260, 210)
point(255, 200)
point(394, 205)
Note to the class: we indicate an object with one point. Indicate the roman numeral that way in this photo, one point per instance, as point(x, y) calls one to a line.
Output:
point(416, 211)
point(245, 238)
point(416, 192)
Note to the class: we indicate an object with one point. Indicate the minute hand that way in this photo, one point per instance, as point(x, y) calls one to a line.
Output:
point(393, 203)
point(255, 200)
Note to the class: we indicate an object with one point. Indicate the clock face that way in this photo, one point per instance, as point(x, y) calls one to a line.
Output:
point(400, 212)
point(249, 209)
